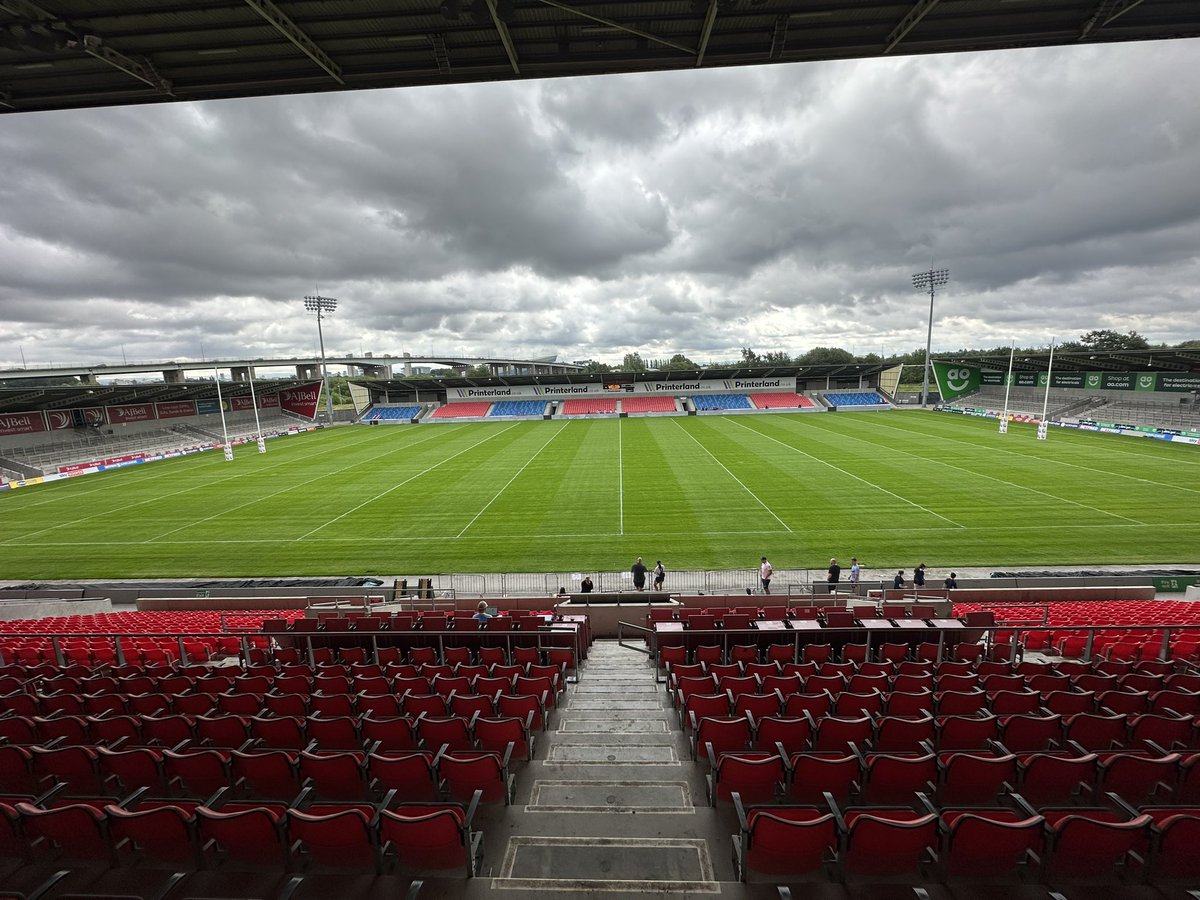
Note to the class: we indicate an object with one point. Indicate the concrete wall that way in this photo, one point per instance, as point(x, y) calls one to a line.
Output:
point(42, 609)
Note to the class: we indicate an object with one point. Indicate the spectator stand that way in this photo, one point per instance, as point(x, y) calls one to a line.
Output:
point(856, 400)
point(388, 414)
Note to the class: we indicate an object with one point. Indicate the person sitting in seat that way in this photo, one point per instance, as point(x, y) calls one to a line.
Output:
point(481, 613)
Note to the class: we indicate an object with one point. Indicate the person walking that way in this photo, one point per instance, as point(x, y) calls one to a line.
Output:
point(835, 572)
point(764, 575)
point(952, 582)
point(659, 575)
point(585, 586)
point(854, 570)
point(919, 576)
point(639, 574)
point(898, 581)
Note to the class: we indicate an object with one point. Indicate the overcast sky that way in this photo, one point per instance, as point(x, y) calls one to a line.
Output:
point(778, 208)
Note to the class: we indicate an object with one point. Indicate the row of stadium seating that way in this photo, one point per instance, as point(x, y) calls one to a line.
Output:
point(391, 413)
point(236, 833)
point(931, 841)
point(854, 398)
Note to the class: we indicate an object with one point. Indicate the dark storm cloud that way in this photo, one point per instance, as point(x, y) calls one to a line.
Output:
point(699, 212)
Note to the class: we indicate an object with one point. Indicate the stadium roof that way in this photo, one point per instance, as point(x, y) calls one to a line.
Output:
point(1088, 361)
point(59, 54)
point(27, 399)
point(721, 373)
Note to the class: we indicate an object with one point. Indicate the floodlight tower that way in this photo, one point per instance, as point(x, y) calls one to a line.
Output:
point(321, 305)
point(922, 281)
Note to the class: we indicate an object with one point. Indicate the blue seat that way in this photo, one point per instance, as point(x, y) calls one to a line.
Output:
point(518, 408)
point(721, 401)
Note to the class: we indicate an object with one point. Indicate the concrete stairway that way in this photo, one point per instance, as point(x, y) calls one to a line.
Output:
point(612, 804)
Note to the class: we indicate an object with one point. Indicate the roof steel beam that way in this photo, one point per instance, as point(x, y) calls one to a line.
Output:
point(779, 36)
point(6, 100)
point(710, 18)
point(279, 20)
point(510, 48)
point(440, 53)
point(910, 21)
point(1105, 13)
point(617, 25)
point(142, 70)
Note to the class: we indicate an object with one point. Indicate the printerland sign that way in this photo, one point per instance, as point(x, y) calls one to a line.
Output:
point(301, 400)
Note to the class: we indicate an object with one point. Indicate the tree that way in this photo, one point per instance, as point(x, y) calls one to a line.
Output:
point(776, 358)
point(633, 363)
point(478, 372)
point(1104, 339)
point(825, 356)
point(677, 362)
point(594, 367)
point(750, 358)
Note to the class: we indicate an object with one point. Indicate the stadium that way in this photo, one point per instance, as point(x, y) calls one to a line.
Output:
point(255, 647)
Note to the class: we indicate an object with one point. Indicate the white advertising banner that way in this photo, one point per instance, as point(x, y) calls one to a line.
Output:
point(617, 390)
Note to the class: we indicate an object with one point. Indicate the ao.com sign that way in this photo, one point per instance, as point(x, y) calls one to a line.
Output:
point(954, 381)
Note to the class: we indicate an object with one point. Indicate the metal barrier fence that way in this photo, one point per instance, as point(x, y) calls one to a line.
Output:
point(876, 636)
point(544, 637)
point(684, 581)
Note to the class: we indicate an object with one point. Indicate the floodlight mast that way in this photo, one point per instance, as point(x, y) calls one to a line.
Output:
point(318, 304)
point(922, 281)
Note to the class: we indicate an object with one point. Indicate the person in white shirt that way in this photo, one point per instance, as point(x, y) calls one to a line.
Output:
point(764, 574)
point(854, 570)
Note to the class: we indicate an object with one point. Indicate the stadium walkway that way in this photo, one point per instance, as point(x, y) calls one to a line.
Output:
point(611, 805)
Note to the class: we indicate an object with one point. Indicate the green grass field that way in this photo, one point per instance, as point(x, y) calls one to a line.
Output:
point(697, 492)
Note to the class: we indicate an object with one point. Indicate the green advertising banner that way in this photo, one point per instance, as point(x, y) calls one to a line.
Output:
point(1118, 381)
point(1041, 379)
point(954, 381)
point(1025, 379)
point(1067, 379)
point(1094, 381)
point(991, 378)
point(1147, 381)
point(1174, 381)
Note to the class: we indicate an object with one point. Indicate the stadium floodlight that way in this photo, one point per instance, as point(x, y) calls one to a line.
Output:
point(320, 305)
point(929, 281)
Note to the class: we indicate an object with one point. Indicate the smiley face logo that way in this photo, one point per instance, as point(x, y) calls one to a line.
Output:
point(1146, 382)
point(1093, 380)
point(958, 380)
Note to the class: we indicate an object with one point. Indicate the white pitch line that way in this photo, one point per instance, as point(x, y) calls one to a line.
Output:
point(734, 477)
point(1022, 487)
point(433, 539)
point(620, 480)
point(322, 477)
point(516, 475)
point(851, 475)
point(401, 484)
point(1034, 456)
point(209, 482)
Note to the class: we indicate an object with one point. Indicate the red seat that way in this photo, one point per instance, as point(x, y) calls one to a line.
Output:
point(793, 732)
point(725, 733)
point(888, 779)
point(1029, 733)
point(197, 773)
point(1052, 778)
point(432, 835)
point(756, 775)
point(270, 774)
point(887, 843)
point(814, 774)
point(495, 733)
point(334, 776)
point(464, 773)
point(444, 731)
point(783, 840)
point(338, 837)
point(162, 832)
point(75, 831)
point(390, 733)
point(980, 844)
point(836, 733)
point(971, 779)
point(1086, 842)
point(411, 775)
